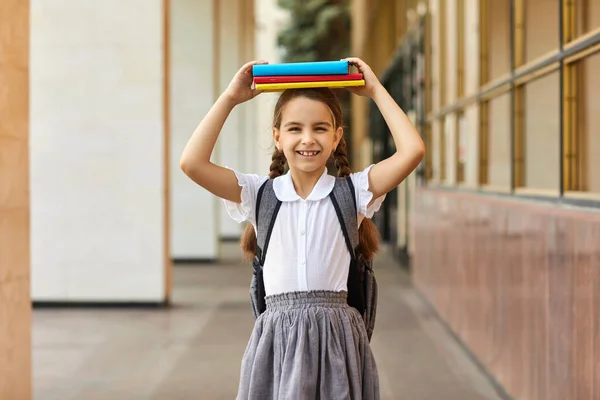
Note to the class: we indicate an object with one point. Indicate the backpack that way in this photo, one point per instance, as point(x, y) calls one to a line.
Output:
point(362, 285)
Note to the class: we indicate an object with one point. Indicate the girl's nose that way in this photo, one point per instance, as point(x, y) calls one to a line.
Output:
point(307, 137)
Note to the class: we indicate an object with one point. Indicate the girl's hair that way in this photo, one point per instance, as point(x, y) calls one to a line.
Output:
point(368, 233)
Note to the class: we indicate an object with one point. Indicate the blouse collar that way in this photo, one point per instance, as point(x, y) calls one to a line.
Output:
point(283, 186)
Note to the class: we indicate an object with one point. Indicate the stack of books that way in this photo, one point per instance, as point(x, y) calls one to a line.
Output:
point(279, 77)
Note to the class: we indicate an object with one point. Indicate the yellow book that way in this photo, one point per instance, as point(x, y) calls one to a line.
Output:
point(278, 87)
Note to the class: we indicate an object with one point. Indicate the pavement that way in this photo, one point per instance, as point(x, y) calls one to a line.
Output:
point(192, 350)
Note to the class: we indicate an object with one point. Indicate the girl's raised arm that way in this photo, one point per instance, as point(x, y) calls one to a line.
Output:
point(410, 149)
point(195, 159)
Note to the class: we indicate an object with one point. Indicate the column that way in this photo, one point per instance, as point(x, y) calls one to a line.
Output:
point(232, 139)
point(99, 182)
point(15, 308)
point(194, 229)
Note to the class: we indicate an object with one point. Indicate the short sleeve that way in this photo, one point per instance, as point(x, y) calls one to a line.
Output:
point(363, 195)
point(245, 211)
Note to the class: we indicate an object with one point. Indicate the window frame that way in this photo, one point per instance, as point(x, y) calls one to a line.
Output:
point(563, 59)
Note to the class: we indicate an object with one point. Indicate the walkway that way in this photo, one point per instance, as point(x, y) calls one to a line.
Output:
point(193, 350)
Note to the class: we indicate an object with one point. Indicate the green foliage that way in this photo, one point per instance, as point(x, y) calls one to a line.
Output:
point(319, 30)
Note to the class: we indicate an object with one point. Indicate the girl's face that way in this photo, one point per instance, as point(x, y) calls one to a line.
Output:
point(307, 134)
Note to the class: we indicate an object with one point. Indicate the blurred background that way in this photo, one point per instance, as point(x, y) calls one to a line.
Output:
point(122, 279)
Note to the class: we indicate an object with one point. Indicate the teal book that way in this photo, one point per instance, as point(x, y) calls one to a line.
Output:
point(302, 68)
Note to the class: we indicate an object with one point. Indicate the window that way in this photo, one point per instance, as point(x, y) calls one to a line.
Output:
point(428, 152)
point(590, 123)
point(450, 57)
point(437, 159)
point(541, 128)
point(498, 142)
point(541, 27)
point(497, 36)
point(468, 140)
point(582, 147)
point(470, 49)
point(461, 147)
point(450, 148)
point(588, 16)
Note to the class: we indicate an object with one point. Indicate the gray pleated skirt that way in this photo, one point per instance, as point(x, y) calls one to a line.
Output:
point(308, 346)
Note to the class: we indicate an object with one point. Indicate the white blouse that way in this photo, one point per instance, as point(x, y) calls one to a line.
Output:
point(307, 250)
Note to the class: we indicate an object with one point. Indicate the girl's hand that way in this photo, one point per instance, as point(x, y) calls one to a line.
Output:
point(240, 87)
point(371, 81)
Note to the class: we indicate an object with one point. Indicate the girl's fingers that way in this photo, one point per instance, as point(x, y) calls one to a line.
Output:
point(354, 61)
point(248, 66)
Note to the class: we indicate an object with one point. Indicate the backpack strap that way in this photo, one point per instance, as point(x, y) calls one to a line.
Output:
point(343, 198)
point(267, 208)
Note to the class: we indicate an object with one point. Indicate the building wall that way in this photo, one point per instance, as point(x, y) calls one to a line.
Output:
point(519, 284)
point(114, 99)
point(511, 199)
point(15, 306)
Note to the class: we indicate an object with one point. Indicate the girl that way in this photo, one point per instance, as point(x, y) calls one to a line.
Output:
point(308, 344)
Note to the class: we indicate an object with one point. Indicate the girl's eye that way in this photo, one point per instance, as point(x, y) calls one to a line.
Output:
point(294, 129)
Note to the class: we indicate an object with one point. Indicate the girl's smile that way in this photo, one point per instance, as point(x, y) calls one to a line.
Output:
point(308, 153)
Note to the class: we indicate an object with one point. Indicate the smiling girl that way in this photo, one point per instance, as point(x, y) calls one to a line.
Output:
point(308, 344)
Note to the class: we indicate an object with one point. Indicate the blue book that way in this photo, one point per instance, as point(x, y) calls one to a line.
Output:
point(302, 68)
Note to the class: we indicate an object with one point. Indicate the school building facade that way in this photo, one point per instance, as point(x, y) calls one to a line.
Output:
point(501, 222)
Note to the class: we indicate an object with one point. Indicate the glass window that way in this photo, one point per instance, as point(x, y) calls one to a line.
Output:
point(450, 148)
point(461, 147)
point(499, 154)
point(498, 37)
point(437, 151)
point(436, 57)
point(588, 16)
point(589, 123)
point(470, 50)
point(450, 62)
point(468, 141)
point(542, 133)
point(541, 27)
point(428, 152)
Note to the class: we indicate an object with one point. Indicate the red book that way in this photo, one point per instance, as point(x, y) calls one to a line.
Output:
point(306, 78)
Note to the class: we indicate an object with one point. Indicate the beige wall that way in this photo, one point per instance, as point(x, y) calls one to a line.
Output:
point(15, 306)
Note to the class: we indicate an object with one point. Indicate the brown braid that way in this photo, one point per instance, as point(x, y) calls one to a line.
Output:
point(368, 234)
point(278, 161)
point(341, 159)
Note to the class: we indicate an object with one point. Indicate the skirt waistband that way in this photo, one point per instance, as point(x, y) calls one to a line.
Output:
point(321, 298)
